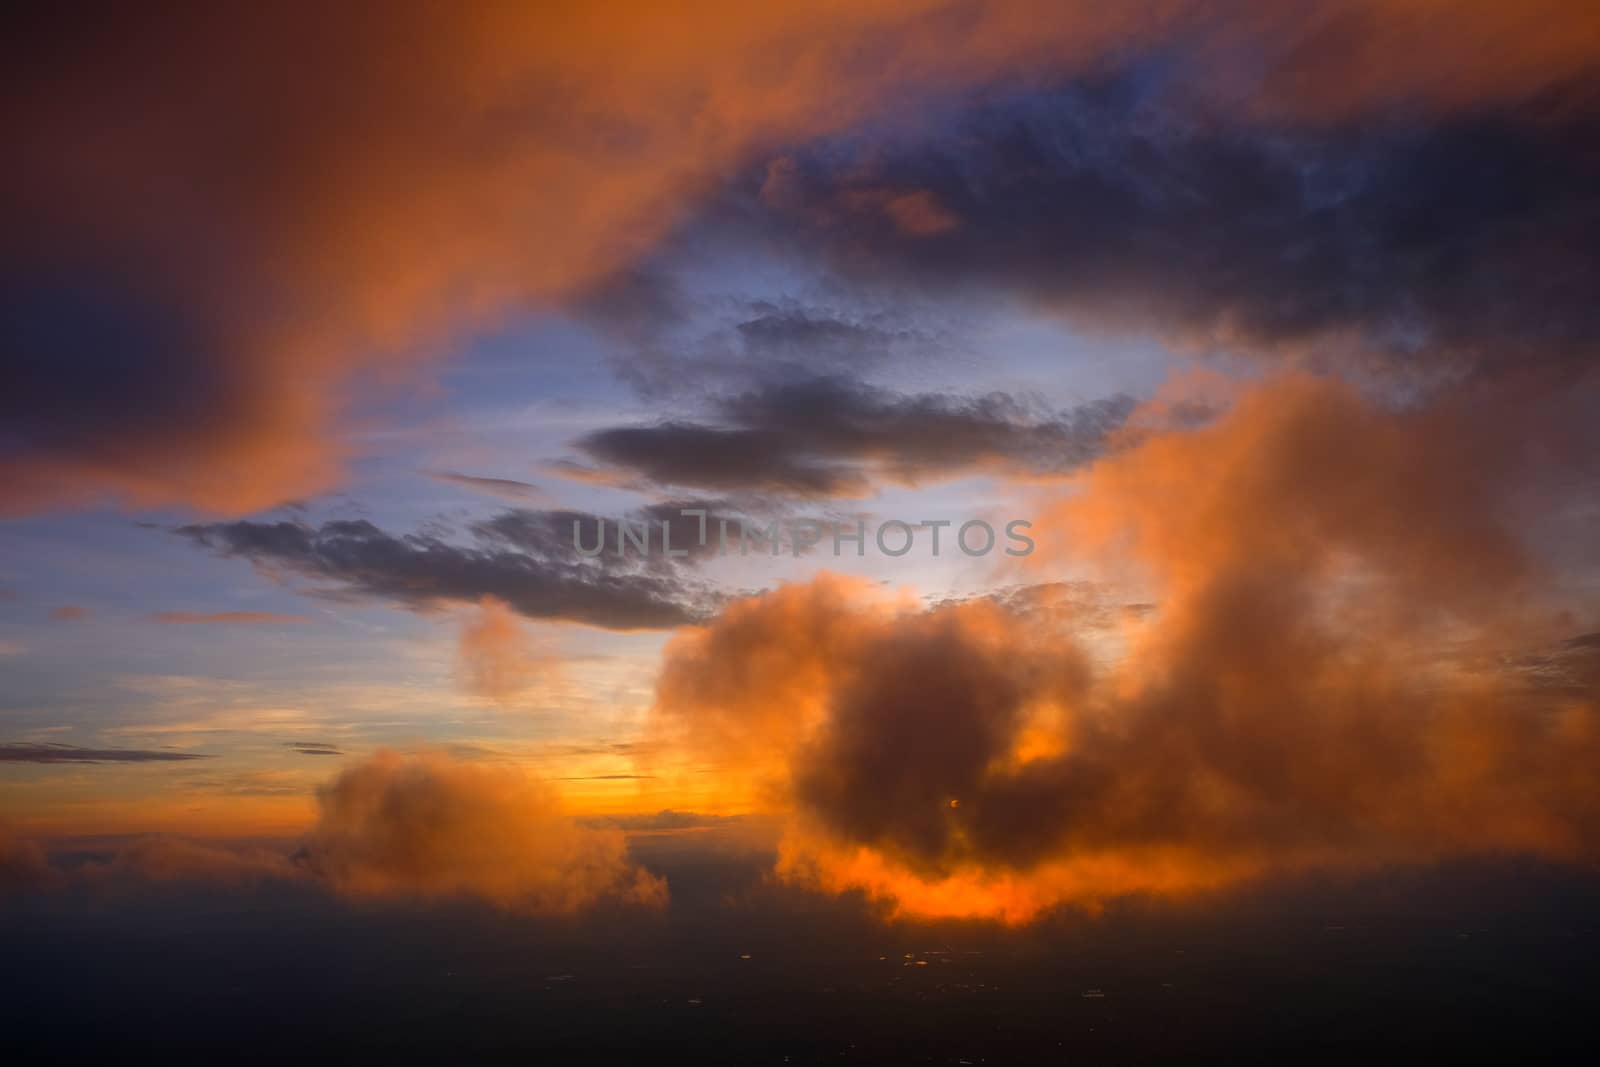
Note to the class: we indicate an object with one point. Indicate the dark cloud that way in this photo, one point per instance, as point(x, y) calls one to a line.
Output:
point(1462, 241)
point(525, 558)
point(829, 436)
point(797, 334)
point(314, 748)
point(549, 533)
point(674, 343)
point(22, 752)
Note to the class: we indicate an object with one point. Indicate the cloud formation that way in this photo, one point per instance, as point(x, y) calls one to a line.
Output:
point(24, 752)
point(430, 826)
point(497, 657)
point(822, 437)
point(1442, 244)
point(1330, 579)
point(525, 558)
point(191, 278)
point(508, 488)
point(423, 825)
point(314, 748)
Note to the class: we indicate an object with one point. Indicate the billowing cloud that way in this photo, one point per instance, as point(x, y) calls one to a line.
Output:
point(817, 437)
point(1316, 684)
point(430, 826)
point(527, 559)
point(201, 254)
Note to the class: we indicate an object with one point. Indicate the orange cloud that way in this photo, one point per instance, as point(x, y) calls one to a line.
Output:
point(253, 247)
point(1334, 583)
point(431, 826)
point(497, 659)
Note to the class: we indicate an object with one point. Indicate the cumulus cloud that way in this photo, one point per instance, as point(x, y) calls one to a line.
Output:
point(191, 276)
point(422, 825)
point(1330, 578)
point(430, 826)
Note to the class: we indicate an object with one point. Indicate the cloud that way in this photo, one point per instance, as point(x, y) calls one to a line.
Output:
point(23, 864)
point(422, 825)
point(497, 658)
point(818, 437)
point(69, 613)
point(228, 618)
point(507, 488)
point(1330, 577)
point(314, 748)
point(431, 826)
point(525, 558)
point(192, 278)
point(1436, 245)
point(23, 752)
point(674, 343)
point(166, 859)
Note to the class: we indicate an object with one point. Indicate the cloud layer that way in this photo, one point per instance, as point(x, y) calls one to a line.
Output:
point(202, 257)
point(1447, 244)
point(1315, 686)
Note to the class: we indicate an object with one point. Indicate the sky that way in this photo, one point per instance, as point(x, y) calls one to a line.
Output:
point(332, 338)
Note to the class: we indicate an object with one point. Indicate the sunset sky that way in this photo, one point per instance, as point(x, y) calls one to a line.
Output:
point(1274, 322)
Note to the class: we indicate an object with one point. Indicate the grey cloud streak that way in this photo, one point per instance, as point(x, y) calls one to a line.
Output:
point(834, 436)
point(525, 558)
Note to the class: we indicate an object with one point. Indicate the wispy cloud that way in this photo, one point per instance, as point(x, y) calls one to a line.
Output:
point(16, 752)
point(506, 488)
